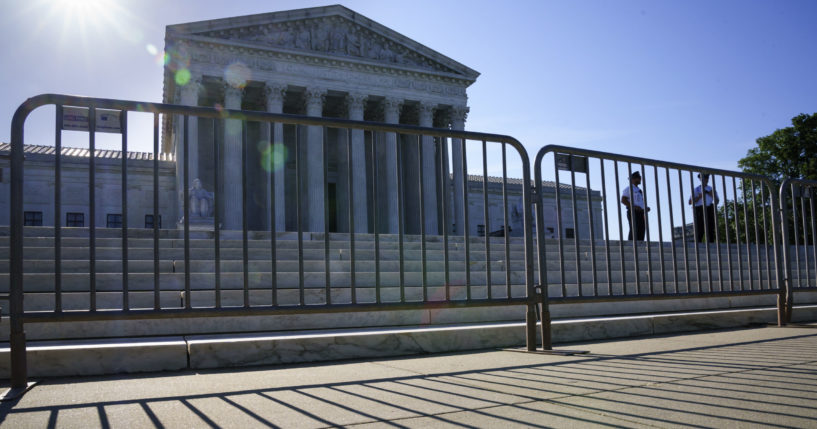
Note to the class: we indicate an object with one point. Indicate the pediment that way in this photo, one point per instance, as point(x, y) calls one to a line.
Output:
point(333, 31)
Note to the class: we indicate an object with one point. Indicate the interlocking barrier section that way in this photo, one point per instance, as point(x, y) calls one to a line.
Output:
point(799, 228)
point(727, 248)
point(367, 266)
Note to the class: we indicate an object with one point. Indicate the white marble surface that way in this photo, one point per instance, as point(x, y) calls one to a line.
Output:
point(93, 357)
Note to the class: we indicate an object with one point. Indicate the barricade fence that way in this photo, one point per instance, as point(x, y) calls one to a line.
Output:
point(353, 220)
point(623, 227)
point(290, 214)
point(798, 199)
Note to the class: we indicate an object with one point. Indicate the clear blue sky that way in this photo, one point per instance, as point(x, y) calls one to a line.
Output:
point(689, 81)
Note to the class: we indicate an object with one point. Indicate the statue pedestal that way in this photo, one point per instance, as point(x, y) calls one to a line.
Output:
point(198, 223)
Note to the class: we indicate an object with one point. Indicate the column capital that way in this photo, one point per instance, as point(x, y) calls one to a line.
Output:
point(189, 93)
point(391, 107)
point(314, 98)
point(356, 100)
point(275, 91)
point(459, 113)
point(232, 96)
point(426, 109)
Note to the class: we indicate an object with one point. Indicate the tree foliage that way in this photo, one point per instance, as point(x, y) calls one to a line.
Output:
point(787, 152)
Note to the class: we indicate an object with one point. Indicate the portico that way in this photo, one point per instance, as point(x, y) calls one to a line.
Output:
point(329, 62)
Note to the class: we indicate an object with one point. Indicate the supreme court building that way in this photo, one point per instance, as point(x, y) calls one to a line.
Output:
point(324, 61)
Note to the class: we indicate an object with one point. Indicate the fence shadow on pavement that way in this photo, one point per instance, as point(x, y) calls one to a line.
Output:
point(767, 382)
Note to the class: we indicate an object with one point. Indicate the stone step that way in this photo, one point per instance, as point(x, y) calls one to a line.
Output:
point(132, 355)
point(79, 282)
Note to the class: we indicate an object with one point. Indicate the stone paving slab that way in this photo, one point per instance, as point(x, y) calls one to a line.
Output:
point(731, 378)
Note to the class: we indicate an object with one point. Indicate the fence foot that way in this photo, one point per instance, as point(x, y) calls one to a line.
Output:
point(16, 392)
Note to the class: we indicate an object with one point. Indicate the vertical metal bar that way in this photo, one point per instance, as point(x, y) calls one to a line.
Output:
point(707, 233)
point(505, 221)
point(592, 228)
point(217, 127)
point(17, 335)
point(273, 231)
point(351, 209)
point(186, 214)
point(805, 233)
point(559, 225)
point(813, 230)
point(783, 268)
point(325, 161)
point(660, 233)
point(400, 204)
point(299, 214)
point(422, 217)
point(684, 228)
point(576, 244)
point(695, 228)
point(633, 232)
point(375, 188)
point(737, 232)
point(547, 341)
point(466, 226)
point(647, 228)
point(746, 231)
point(620, 229)
point(606, 227)
point(446, 194)
point(766, 235)
point(726, 230)
point(796, 236)
point(58, 211)
point(757, 236)
point(245, 254)
point(92, 204)
point(671, 227)
point(156, 291)
point(717, 234)
point(487, 219)
point(123, 118)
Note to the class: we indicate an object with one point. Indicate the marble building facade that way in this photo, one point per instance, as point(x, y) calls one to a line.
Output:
point(325, 61)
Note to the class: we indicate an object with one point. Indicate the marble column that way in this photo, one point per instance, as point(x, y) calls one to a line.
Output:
point(189, 96)
point(276, 163)
point(231, 170)
point(391, 107)
point(357, 104)
point(458, 116)
point(429, 170)
point(314, 162)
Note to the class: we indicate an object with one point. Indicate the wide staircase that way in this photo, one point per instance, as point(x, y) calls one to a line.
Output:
point(413, 273)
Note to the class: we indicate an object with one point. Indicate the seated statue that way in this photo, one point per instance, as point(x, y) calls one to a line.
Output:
point(201, 201)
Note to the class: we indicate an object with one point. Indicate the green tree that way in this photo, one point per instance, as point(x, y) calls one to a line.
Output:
point(787, 152)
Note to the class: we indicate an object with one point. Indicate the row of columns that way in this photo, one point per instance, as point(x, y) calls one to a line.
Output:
point(312, 160)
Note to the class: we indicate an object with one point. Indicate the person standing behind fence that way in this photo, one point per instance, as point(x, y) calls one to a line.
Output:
point(635, 205)
point(704, 203)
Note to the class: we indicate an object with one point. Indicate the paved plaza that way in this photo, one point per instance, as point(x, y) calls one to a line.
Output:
point(765, 376)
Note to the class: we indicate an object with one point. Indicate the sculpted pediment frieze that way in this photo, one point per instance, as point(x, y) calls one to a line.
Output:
point(334, 36)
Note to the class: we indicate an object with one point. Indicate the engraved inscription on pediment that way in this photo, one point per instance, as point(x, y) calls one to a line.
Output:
point(334, 36)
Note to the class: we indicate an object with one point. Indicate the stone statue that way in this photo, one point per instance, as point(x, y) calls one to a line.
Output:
point(201, 201)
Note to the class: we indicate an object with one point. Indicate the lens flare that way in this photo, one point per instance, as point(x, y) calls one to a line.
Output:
point(274, 157)
point(237, 74)
point(182, 77)
point(152, 50)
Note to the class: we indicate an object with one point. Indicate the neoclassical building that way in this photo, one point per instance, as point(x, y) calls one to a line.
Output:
point(329, 62)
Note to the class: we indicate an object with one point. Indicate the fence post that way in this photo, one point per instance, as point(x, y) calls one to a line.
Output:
point(17, 336)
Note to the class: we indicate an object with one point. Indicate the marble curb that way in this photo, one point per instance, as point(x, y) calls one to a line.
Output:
point(97, 357)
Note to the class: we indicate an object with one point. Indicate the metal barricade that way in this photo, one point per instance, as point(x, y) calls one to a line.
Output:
point(724, 247)
point(798, 198)
point(444, 278)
